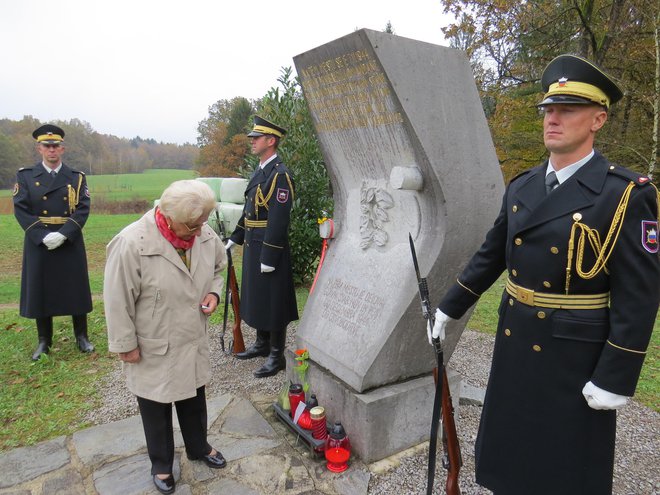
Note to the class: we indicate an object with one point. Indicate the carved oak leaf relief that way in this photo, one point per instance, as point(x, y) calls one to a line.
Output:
point(374, 202)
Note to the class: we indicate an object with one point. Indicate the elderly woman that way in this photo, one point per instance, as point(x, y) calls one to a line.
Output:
point(162, 281)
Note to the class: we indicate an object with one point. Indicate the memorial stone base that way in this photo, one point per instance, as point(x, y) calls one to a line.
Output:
point(382, 421)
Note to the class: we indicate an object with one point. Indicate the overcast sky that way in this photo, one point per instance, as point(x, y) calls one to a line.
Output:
point(152, 68)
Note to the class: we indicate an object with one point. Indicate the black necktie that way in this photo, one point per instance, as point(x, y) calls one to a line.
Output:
point(53, 174)
point(550, 182)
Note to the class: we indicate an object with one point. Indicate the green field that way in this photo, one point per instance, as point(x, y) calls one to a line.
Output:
point(148, 185)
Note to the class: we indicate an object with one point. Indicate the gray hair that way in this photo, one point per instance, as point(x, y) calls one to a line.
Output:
point(187, 200)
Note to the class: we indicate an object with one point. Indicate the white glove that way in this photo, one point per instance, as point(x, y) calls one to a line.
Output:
point(438, 330)
point(54, 240)
point(229, 244)
point(597, 398)
point(267, 269)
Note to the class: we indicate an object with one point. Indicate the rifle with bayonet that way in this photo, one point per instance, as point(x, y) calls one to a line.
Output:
point(442, 404)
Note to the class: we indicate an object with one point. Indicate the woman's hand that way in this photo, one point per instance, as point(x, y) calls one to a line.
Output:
point(130, 356)
point(209, 303)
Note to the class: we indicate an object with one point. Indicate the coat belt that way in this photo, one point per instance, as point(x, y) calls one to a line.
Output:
point(53, 220)
point(557, 301)
point(256, 223)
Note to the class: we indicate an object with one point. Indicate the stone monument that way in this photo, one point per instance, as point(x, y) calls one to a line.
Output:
point(408, 150)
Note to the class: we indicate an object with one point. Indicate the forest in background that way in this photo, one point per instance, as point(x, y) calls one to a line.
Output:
point(88, 150)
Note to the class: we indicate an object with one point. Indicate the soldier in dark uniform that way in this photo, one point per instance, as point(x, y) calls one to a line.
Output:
point(51, 203)
point(580, 301)
point(268, 299)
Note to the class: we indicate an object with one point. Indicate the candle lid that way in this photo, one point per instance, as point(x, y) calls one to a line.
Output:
point(317, 412)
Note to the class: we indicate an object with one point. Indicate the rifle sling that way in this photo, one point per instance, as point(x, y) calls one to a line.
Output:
point(435, 422)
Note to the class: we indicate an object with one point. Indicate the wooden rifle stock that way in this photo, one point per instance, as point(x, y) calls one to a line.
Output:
point(452, 459)
point(237, 345)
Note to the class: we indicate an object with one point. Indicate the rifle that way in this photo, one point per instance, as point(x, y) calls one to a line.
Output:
point(231, 292)
point(441, 402)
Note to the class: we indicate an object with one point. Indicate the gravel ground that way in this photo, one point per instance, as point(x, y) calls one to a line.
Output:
point(637, 468)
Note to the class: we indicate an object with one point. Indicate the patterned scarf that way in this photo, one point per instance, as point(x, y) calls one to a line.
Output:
point(169, 234)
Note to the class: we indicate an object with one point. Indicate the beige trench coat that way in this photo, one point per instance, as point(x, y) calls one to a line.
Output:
point(152, 301)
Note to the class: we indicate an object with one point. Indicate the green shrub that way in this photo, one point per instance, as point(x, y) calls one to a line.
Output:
point(300, 151)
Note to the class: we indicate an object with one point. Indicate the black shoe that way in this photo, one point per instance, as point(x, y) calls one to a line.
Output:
point(166, 485)
point(83, 344)
point(42, 348)
point(253, 352)
point(272, 367)
point(260, 348)
point(215, 461)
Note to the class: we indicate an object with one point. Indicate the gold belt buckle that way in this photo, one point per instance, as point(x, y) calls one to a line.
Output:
point(525, 296)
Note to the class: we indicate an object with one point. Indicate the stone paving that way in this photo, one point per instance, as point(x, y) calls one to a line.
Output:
point(263, 456)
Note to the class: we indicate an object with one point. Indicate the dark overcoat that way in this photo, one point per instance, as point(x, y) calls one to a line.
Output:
point(537, 433)
point(268, 300)
point(53, 283)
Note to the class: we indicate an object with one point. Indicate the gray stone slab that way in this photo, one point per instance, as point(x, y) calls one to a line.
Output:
point(231, 486)
point(99, 443)
point(26, 463)
point(242, 419)
point(352, 482)
point(129, 476)
point(274, 474)
point(408, 150)
point(68, 482)
point(237, 448)
point(471, 395)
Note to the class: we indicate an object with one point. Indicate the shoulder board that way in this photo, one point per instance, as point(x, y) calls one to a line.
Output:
point(78, 172)
point(24, 169)
point(629, 175)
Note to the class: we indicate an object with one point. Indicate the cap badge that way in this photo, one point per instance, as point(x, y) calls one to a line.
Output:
point(650, 236)
point(562, 81)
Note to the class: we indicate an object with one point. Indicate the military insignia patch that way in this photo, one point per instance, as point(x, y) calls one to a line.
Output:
point(282, 195)
point(650, 236)
point(15, 191)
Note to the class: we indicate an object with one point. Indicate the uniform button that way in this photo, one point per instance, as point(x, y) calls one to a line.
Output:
point(515, 208)
point(37, 184)
point(65, 198)
point(518, 241)
point(577, 217)
point(554, 250)
point(45, 212)
point(514, 273)
point(536, 347)
point(44, 198)
point(507, 332)
point(510, 302)
point(547, 284)
point(541, 314)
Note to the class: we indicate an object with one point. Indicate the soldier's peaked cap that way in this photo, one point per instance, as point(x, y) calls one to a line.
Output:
point(574, 80)
point(48, 134)
point(262, 127)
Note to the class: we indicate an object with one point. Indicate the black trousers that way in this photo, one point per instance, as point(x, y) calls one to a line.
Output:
point(159, 433)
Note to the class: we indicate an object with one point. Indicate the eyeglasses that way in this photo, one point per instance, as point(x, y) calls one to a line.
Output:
point(195, 228)
point(48, 145)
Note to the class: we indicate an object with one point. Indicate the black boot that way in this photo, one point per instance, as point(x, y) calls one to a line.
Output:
point(45, 332)
point(80, 331)
point(275, 362)
point(260, 348)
